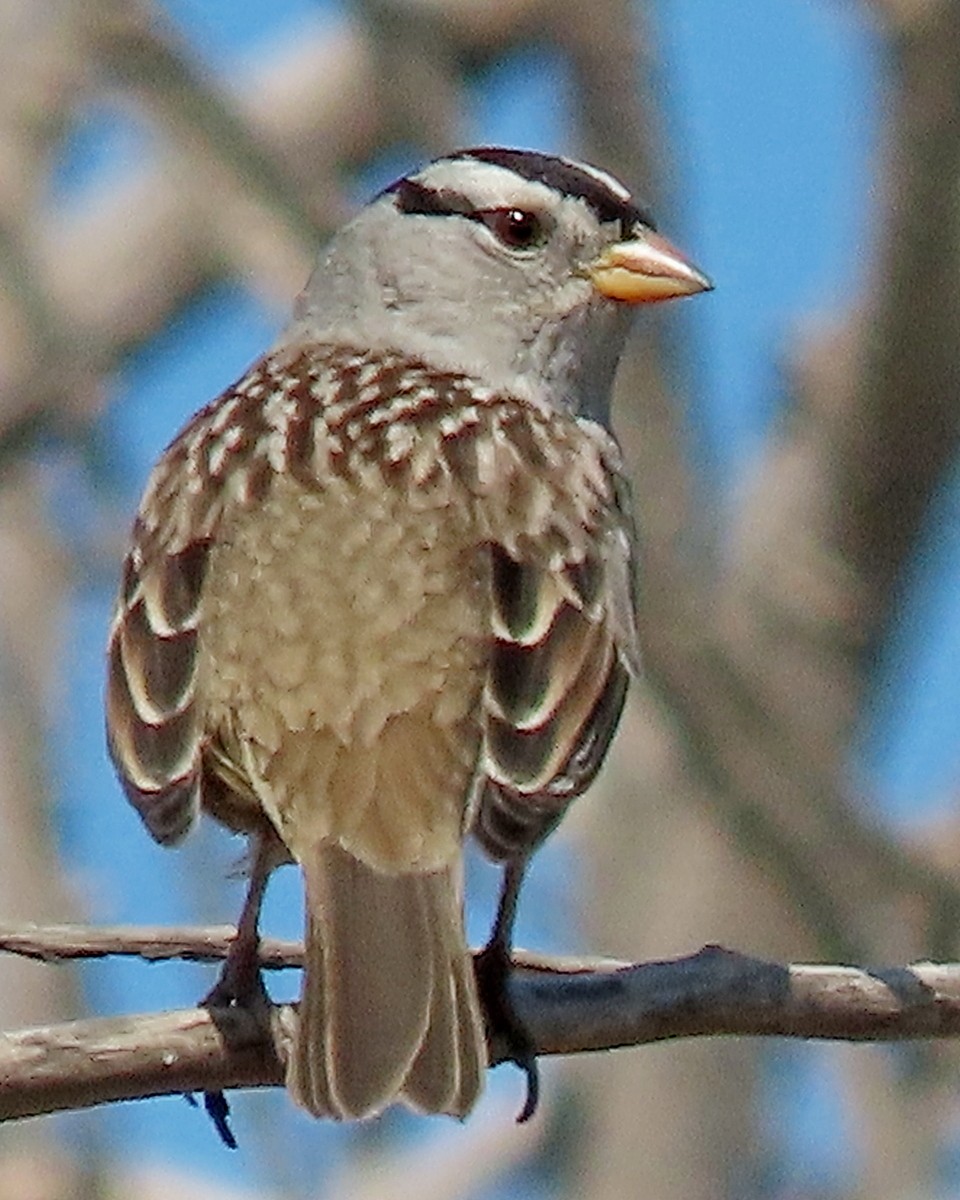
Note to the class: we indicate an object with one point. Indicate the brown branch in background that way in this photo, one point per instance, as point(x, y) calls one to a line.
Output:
point(129, 44)
point(829, 528)
point(87, 283)
point(755, 653)
point(754, 632)
point(899, 435)
point(419, 74)
point(567, 1006)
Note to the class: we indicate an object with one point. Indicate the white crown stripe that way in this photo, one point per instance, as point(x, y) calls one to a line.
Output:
point(610, 182)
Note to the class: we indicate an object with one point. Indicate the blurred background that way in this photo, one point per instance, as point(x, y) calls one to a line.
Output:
point(785, 778)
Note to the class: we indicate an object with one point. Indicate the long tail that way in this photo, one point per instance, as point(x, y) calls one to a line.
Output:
point(389, 1009)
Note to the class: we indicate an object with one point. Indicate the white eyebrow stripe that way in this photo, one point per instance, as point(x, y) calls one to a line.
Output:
point(485, 185)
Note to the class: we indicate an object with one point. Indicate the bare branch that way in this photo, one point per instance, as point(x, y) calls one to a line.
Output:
point(568, 1006)
point(58, 943)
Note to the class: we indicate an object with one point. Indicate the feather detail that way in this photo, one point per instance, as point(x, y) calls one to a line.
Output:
point(389, 1009)
point(564, 645)
point(153, 727)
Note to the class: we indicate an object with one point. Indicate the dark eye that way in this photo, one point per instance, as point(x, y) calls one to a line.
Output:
point(515, 227)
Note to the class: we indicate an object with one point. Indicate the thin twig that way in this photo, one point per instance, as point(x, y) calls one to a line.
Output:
point(58, 943)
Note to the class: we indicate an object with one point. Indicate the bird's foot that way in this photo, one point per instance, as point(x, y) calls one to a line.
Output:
point(492, 967)
point(240, 984)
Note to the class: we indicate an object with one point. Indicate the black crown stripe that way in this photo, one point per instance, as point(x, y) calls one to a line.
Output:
point(568, 178)
point(418, 198)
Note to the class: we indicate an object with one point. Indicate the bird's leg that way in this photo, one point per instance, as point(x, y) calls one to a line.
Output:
point(493, 965)
point(240, 982)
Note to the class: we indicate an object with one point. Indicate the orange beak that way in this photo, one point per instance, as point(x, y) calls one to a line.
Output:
point(646, 269)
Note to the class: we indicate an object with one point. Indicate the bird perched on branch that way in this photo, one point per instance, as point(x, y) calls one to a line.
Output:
point(380, 596)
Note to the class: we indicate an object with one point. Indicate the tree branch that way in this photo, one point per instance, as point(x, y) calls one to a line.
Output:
point(207, 943)
point(568, 1006)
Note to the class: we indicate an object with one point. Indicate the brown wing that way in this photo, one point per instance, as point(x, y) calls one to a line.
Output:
point(152, 724)
point(154, 729)
point(564, 648)
point(223, 457)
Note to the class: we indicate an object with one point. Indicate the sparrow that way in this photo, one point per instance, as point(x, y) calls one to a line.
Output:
point(379, 597)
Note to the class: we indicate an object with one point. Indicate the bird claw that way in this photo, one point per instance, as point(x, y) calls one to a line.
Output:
point(492, 968)
point(240, 985)
point(218, 1110)
point(532, 1071)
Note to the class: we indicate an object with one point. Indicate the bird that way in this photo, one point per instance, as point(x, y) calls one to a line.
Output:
point(379, 597)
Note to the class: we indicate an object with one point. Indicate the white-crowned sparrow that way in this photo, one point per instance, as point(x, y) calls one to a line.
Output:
point(379, 595)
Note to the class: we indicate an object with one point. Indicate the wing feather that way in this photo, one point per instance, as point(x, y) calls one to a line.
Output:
point(564, 647)
point(154, 731)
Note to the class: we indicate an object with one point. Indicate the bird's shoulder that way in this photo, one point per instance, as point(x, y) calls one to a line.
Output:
point(326, 413)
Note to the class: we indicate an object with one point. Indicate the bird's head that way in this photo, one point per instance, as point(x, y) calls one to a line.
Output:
point(514, 267)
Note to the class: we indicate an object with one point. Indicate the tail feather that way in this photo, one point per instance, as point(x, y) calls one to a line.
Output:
point(306, 1071)
point(473, 1048)
point(433, 1082)
point(447, 1074)
point(389, 1008)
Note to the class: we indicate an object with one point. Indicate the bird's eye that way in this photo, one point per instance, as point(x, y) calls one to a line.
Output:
point(516, 228)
